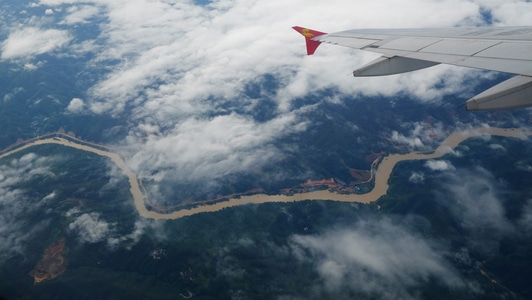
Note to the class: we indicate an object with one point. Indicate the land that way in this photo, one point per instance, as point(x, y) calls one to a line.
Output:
point(52, 264)
point(380, 172)
point(197, 256)
point(246, 252)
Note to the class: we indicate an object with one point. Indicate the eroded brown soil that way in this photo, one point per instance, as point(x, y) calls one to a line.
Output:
point(52, 264)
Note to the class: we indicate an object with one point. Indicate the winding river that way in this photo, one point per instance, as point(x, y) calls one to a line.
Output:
point(382, 173)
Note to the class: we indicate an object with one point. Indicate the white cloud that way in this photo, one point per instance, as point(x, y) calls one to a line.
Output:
point(49, 11)
point(182, 69)
point(203, 149)
point(18, 205)
point(50, 196)
point(13, 93)
point(90, 228)
point(80, 14)
point(476, 199)
point(421, 135)
point(213, 50)
point(30, 67)
point(439, 165)
point(510, 13)
point(526, 217)
point(30, 41)
point(451, 151)
point(72, 212)
point(497, 147)
point(131, 238)
point(413, 142)
point(416, 177)
point(479, 197)
point(76, 105)
point(377, 258)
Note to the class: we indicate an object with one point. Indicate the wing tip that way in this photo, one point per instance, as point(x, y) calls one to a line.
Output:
point(309, 35)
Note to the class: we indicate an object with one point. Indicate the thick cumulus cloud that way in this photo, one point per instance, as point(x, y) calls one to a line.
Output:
point(439, 165)
point(17, 205)
point(373, 255)
point(419, 135)
point(90, 228)
point(206, 149)
point(76, 105)
point(413, 142)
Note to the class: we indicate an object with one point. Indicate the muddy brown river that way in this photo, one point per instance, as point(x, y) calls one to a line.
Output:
point(382, 174)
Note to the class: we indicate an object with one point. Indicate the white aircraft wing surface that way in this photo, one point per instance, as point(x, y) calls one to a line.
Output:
point(503, 49)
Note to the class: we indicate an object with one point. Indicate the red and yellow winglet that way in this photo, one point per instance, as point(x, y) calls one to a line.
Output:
point(309, 34)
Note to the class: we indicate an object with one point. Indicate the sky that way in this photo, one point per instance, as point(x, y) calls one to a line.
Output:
point(179, 71)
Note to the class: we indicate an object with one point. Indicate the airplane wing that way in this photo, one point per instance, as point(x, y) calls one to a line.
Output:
point(503, 49)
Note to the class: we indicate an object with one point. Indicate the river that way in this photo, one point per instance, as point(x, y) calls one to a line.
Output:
point(382, 174)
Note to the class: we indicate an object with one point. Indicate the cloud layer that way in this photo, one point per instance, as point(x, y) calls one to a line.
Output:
point(377, 258)
point(475, 199)
point(31, 41)
point(180, 73)
point(91, 228)
point(391, 258)
point(17, 206)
